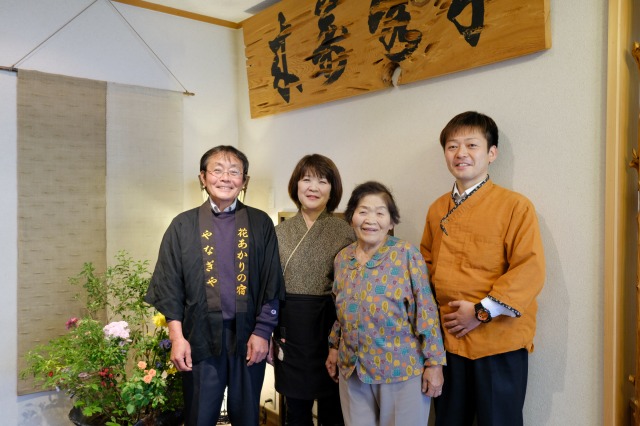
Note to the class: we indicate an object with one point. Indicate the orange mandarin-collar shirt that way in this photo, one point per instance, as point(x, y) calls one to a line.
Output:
point(493, 248)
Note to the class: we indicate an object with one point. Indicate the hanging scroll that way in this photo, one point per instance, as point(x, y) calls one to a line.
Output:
point(306, 52)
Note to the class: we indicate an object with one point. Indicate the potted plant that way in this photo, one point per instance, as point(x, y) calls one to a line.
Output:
point(117, 371)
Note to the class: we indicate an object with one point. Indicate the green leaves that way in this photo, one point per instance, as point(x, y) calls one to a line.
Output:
point(103, 374)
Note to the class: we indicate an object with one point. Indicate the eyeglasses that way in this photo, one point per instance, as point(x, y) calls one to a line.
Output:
point(233, 173)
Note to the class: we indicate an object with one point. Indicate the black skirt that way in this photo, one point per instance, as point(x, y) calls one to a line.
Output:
point(305, 324)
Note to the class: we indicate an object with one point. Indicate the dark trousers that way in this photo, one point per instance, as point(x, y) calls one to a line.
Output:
point(299, 411)
point(204, 387)
point(491, 388)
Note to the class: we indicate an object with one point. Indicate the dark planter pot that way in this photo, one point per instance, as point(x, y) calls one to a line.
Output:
point(79, 419)
point(168, 418)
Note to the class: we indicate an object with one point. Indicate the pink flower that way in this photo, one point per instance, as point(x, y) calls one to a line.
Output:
point(147, 378)
point(152, 372)
point(119, 329)
point(142, 365)
point(73, 322)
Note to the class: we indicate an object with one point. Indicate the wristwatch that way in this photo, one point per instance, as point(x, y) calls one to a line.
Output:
point(482, 314)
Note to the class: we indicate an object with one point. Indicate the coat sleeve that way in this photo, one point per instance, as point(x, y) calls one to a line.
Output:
point(270, 277)
point(271, 281)
point(431, 237)
point(425, 246)
point(336, 331)
point(166, 290)
point(425, 318)
point(525, 276)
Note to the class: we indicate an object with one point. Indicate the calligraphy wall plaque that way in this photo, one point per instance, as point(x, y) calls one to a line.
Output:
point(305, 52)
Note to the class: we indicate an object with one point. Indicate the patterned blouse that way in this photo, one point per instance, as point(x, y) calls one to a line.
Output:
point(387, 327)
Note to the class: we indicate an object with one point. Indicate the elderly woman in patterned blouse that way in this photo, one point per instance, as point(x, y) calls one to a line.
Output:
point(386, 349)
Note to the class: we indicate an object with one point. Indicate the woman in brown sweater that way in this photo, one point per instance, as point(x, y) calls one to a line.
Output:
point(308, 244)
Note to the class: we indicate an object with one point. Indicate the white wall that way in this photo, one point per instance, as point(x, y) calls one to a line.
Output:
point(99, 45)
point(549, 107)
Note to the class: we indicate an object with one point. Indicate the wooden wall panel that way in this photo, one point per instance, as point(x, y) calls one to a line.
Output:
point(306, 52)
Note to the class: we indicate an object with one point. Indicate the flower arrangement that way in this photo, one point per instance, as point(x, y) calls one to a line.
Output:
point(118, 373)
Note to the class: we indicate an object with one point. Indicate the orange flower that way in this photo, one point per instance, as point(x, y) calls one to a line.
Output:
point(147, 378)
point(142, 365)
point(152, 372)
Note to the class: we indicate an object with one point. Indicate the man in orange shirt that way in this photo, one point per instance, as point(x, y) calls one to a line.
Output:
point(484, 253)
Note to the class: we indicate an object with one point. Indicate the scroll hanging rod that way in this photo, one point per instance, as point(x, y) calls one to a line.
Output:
point(14, 67)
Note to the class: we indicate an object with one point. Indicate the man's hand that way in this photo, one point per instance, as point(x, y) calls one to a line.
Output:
point(180, 347)
point(462, 320)
point(257, 349)
point(181, 354)
point(332, 364)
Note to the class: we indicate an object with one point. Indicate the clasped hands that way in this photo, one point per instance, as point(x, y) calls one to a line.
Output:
point(462, 320)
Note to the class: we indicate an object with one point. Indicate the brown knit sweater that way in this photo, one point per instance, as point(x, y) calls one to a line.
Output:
point(310, 269)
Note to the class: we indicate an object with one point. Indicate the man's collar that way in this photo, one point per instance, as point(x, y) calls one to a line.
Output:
point(468, 191)
point(216, 209)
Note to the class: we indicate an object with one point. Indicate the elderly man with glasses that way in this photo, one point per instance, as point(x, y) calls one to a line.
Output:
point(219, 283)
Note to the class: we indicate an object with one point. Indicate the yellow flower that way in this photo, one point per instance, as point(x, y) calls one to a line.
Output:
point(159, 320)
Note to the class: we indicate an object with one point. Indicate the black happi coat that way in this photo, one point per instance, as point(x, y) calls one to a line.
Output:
point(177, 287)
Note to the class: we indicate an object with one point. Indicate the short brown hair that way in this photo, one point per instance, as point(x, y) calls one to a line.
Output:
point(322, 167)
